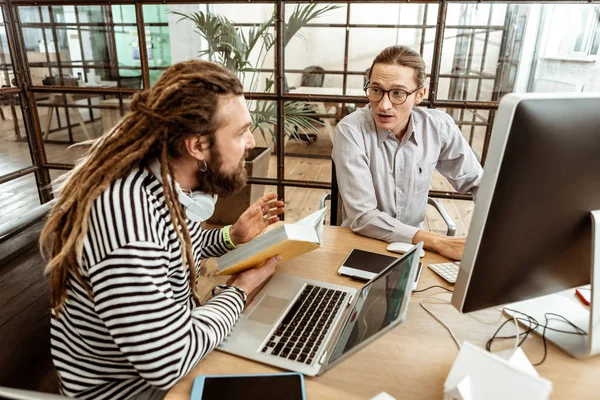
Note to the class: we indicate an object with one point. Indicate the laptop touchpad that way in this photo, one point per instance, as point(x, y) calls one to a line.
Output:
point(268, 310)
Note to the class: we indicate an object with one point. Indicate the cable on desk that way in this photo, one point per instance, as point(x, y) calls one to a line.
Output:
point(482, 321)
point(438, 319)
point(432, 287)
point(532, 325)
point(516, 332)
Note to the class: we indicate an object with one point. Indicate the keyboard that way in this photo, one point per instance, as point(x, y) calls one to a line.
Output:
point(302, 330)
point(448, 271)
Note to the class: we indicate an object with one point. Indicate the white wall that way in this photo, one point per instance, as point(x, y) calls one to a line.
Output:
point(556, 70)
point(325, 46)
point(184, 43)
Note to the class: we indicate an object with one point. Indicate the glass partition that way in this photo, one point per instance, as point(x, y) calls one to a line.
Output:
point(85, 61)
point(82, 46)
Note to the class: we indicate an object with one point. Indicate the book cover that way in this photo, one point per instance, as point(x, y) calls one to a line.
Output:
point(287, 241)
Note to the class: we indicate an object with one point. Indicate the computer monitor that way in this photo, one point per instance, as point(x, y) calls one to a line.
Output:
point(536, 220)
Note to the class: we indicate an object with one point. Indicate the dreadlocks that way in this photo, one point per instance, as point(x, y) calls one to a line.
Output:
point(182, 103)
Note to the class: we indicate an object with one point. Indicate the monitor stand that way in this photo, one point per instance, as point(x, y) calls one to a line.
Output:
point(567, 305)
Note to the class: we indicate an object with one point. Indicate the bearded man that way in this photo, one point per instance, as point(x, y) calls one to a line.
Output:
point(125, 240)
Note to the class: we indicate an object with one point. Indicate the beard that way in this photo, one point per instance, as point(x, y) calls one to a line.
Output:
point(214, 181)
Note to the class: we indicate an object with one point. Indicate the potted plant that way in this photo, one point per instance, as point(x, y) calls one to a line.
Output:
point(229, 46)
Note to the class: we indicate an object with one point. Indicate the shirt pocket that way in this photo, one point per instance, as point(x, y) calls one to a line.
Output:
point(423, 178)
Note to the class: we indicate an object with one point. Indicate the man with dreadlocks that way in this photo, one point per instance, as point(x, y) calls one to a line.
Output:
point(125, 242)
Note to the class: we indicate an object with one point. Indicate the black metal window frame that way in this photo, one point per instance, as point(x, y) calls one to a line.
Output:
point(27, 92)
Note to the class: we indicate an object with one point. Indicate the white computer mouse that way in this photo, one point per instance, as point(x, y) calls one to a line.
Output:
point(400, 247)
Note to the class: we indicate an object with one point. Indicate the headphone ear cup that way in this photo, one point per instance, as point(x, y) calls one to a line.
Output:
point(199, 206)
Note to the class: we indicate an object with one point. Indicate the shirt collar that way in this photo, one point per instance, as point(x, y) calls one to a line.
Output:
point(412, 131)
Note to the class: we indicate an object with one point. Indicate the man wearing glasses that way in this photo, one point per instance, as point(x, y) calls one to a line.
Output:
point(386, 153)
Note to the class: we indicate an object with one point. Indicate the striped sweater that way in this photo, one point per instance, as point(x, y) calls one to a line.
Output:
point(141, 327)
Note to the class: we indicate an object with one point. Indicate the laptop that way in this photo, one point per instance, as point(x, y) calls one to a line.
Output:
point(309, 326)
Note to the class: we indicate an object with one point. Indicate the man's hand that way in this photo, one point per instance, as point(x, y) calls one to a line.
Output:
point(256, 218)
point(252, 280)
point(449, 246)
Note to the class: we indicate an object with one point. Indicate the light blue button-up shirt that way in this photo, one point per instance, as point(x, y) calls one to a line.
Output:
point(384, 182)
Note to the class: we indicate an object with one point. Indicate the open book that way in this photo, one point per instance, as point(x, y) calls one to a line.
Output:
point(287, 240)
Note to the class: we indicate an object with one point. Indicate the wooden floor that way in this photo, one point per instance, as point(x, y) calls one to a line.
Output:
point(20, 195)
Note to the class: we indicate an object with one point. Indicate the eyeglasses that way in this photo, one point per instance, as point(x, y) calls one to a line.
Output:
point(396, 96)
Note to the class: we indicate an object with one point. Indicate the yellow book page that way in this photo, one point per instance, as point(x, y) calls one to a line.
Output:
point(287, 249)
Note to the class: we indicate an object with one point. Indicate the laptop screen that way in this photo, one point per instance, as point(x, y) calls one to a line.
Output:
point(379, 304)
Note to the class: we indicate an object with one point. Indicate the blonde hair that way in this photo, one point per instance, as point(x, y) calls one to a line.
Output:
point(404, 56)
point(182, 103)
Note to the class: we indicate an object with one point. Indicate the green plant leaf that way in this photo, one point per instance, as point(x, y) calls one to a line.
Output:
point(229, 46)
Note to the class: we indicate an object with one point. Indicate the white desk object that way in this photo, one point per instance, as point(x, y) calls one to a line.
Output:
point(383, 396)
point(478, 374)
point(401, 247)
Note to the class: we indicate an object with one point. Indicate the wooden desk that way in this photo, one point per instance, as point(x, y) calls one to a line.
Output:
point(56, 100)
point(413, 359)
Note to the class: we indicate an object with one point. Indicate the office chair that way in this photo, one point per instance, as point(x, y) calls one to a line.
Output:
point(286, 86)
point(451, 231)
point(366, 77)
point(335, 215)
point(313, 76)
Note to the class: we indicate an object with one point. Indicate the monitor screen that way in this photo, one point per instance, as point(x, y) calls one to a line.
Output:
point(379, 303)
point(530, 234)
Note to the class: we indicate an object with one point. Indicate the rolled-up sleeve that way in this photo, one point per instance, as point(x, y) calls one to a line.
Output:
point(358, 193)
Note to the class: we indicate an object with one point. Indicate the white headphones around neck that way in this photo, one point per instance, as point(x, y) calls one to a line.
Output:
point(199, 206)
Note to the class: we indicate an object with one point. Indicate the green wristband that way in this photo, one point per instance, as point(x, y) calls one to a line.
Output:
point(227, 238)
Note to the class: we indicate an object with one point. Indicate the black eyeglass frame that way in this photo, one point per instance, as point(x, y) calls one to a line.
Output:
point(384, 92)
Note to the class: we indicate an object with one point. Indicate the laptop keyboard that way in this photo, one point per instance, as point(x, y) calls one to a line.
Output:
point(302, 330)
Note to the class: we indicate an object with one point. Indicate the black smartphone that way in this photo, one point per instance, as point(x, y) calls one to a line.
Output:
point(365, 265)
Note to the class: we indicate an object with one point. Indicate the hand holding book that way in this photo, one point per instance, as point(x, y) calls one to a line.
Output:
point(287, 241)
point(251, 280)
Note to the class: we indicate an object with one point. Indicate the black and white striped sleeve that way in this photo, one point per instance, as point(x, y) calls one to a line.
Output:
point(162, 339)
point(212, 243)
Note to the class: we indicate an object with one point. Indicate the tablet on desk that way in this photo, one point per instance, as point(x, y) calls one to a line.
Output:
point(364, 265)
point(287, 385)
